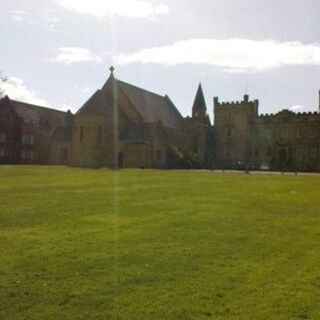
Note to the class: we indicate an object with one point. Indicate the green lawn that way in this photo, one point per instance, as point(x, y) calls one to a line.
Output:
point(142, 244)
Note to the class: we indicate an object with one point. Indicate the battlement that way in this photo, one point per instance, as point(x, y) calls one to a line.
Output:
point(242, 103)
point(288, 113)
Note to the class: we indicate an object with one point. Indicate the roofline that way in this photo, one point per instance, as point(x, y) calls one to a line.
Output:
point(131, 85)
point(37, 106)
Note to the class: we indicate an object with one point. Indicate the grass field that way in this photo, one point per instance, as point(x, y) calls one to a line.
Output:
point(139, 244)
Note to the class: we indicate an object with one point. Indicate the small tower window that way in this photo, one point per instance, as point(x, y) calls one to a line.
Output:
point(229, 132)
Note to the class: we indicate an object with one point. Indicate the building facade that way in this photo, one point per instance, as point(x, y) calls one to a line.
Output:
point(120, 125)
point(283, 141)
point(123, 126)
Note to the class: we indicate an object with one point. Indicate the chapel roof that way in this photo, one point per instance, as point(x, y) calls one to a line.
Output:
point(150, 106)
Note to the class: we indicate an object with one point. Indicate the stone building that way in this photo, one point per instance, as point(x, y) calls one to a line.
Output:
point(122, 125)
point(283, 141)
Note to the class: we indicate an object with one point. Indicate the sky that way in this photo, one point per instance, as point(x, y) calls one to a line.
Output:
point(57, 53)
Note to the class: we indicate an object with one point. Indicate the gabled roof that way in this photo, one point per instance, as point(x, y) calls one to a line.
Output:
point(101, 103)
point(150, 106)
point(153, 107)
point(199, 101)
point(32, 114)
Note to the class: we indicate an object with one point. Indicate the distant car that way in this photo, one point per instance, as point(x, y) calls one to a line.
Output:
point(265, 167)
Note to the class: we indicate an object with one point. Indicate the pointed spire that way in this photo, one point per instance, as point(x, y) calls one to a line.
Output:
point(199, 105)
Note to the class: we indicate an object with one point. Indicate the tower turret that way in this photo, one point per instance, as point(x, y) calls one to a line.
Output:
point(199, 108)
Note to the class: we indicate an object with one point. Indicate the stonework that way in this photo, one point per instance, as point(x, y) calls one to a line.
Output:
point(284, 141)
point(123, 126)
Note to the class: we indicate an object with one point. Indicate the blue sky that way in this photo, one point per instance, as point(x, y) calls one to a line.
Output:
point(58, 52)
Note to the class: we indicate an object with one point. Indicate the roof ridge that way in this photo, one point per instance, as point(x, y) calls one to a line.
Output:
point(139, 88)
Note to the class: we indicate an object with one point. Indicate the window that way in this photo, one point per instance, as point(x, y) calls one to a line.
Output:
point(313, 131)
point(299, 132)
point(284, 132)
point(256, 152)
point(256, 132)
point(299, 153)
point(64, 154)
point(268, 133)
point(27, 139)
point(81, 133)
point(229, 131)
point(2, 153)
point(26, 154)
point(314, 153)
point(158, 155)
point(269, 152)
point(2, 137)
point(44, 124)
point(99, 134)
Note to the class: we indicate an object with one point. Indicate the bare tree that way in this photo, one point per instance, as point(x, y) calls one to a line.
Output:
point(2, 79)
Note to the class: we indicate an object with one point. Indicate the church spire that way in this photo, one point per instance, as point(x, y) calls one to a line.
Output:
point(199, 107)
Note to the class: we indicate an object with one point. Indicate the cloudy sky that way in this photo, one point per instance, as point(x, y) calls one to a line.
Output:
point(58, 52)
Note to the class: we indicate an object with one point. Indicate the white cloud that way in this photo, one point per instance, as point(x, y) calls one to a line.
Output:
point(231, 55)
point(17, 18)
point(18, 15)
point(17, 90)
point(298, 107)
point(69, 55)
point(109, 8)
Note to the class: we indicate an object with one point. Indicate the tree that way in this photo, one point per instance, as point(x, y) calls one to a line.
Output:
point(2, 80)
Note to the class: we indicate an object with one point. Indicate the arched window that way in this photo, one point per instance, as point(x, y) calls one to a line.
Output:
point(99, 134)
point(81, 133)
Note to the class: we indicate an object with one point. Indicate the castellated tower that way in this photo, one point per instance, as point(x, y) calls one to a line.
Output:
point(232, 128)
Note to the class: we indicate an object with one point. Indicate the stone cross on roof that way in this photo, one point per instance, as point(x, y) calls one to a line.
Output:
point(112, 70)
